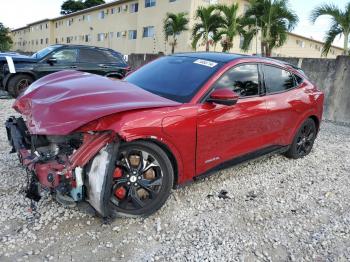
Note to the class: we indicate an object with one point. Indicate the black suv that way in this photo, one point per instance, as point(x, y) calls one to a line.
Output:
point(17, 72)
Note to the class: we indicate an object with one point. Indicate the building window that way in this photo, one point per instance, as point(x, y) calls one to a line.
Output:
point(150, 3)
point(119, 9)
point(172, 1)
point(100, 37)
point(46, 41)
point(300, 43)
point(134, 8)
point(101, 14)
point(41, 41)
point(112, 11)
point(148, 31)
point(132, 34)
point(68, 40)
point(87, 38)
point(56, 41)
point(118, 34)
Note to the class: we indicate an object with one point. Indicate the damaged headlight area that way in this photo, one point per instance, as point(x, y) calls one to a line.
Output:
point(66, 165)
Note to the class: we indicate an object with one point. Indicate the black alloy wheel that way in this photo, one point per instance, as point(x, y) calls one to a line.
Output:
point(303, 140)
point(142, 179)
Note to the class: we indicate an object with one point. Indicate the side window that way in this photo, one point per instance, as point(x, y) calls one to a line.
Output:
point(66, 56)
point(91, 56)
point(244, 80)
point(97, 56)
point(277, 79)
point(298, 79)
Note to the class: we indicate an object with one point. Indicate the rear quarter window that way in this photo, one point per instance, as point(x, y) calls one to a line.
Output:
point(277, 79)
point(99, 56)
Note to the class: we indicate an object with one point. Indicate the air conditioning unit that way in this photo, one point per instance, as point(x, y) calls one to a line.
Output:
point(124, 33)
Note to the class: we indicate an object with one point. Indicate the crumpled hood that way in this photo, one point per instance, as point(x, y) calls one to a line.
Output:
point(62, 102)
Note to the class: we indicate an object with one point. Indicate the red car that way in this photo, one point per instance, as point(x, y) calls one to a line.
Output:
point(123, 145)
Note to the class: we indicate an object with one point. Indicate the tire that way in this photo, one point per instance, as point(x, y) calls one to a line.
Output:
point(19, 83)
point(303, 140)
point(155, 190)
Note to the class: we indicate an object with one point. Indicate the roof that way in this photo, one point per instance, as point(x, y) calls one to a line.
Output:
point(97, 7)
point(213, 56)
point(33, 23)
point(313, 40)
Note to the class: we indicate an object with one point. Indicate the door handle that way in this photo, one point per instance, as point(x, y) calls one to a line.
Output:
point(73, 67)
point(103, 66)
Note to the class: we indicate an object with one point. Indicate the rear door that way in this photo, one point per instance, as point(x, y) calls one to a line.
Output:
point(284, 102)
point(100, 62)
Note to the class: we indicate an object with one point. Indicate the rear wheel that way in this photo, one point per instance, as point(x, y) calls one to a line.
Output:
point(142, 179)
point(19, 83)
point(303, 140)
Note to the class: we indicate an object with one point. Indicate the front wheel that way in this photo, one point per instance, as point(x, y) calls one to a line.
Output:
point(142, 179)
point(303, 140)
point(19, 83)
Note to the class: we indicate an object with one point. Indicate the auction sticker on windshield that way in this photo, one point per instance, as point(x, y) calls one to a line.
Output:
point(205, 63)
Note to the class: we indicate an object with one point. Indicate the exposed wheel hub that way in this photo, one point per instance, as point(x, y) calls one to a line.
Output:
point(133, 179)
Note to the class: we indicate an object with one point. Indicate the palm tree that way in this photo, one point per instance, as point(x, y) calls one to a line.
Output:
point(216, 38)
point(231, 26)
point(208, 25)
point(340, 24)
point(275, 20)
point(174, 24)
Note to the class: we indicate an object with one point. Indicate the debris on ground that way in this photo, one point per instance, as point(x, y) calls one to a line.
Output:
point(223, 194)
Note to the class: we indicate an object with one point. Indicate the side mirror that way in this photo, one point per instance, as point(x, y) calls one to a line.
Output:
point(51, 61)
point(223, 96)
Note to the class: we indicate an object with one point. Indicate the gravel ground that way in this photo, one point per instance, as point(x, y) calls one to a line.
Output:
point(278, 210)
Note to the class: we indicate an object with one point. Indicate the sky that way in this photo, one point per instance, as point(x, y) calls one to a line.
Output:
point(18, 13)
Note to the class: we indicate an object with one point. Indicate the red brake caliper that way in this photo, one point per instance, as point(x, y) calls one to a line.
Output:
point(120, 192)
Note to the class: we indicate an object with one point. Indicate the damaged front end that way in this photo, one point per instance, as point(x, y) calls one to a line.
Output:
point(74, 167)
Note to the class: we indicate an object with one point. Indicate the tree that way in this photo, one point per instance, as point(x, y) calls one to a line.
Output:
point(231, 26)
point(71, 6)
point(174, 24)
point(5, 39)
point(275, 20)
point(91, 3)
point(215, 39)
point(340, 24)
point(208, 25)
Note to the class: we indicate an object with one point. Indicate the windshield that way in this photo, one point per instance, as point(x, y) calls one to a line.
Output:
point(42, 53)
point(174, 77)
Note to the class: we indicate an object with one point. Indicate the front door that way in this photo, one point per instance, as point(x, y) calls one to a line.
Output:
point(226, 132)
point(65, 59)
